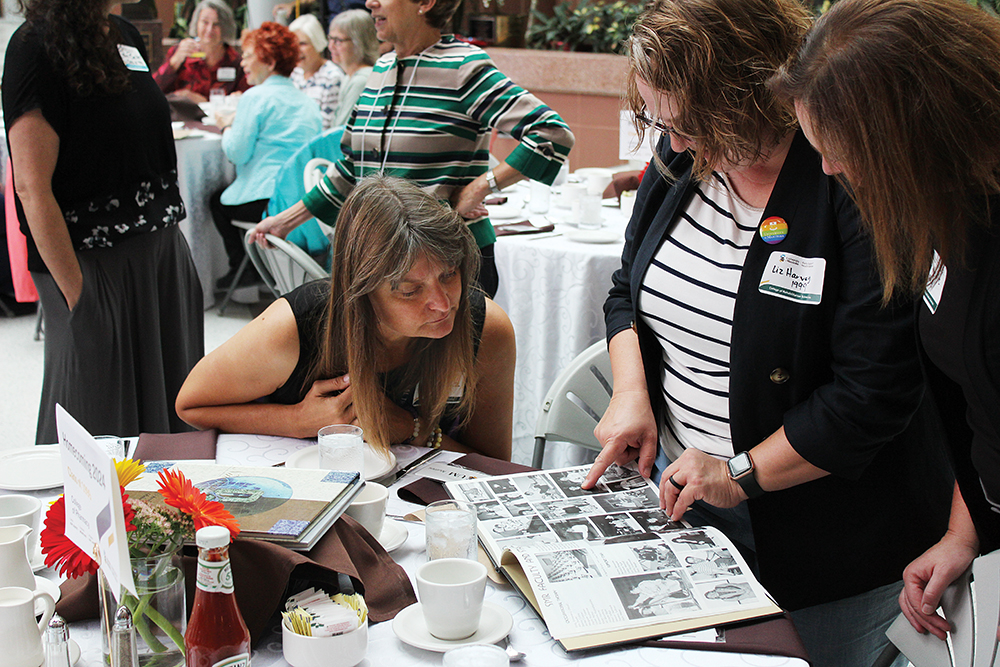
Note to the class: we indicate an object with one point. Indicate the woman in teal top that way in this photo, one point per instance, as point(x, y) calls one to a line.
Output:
point(273, 120)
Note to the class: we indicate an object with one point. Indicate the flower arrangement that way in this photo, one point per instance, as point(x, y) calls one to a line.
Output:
point(152, 531)
point(599, 27)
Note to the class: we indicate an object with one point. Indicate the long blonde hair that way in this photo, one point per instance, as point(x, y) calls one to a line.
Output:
point(385, 225)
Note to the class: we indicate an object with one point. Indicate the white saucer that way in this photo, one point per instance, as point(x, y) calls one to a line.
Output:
point(31, 469)
point(409, 626)
point(393, 535)
point(506, 211)
point(594, 236)
point(50, 587)
point(375, 465)
point(38, 561)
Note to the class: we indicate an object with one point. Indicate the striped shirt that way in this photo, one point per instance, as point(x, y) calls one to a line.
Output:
point(428, 118)
point(323, 86)
point(687, 299)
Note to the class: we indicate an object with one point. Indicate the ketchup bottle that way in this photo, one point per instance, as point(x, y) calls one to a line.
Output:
point(216, 634)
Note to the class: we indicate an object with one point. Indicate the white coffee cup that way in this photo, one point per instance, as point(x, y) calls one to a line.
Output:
point(572, 194)
point(342, 447)
point(451, 593)
point(597, 179)
point(368, 508)
point(20, 637)
point(25, 510)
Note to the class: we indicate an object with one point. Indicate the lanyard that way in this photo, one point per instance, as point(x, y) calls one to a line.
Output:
point(387, 143)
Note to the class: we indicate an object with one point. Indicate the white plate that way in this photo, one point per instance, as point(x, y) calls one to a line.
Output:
point(506, 211)
point(594, 236)
point(31, 469)
point(393, 535)
point(74, 652)
point(375, 465)
point(50, 587)
point(409, 626)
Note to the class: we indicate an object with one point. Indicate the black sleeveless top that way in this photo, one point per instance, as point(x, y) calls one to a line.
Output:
point(308, 304)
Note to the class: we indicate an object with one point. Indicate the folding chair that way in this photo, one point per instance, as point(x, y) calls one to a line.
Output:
point(284, 266)
point(576, 401)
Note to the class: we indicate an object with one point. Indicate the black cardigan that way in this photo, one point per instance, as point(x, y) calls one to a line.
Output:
point(851, 399)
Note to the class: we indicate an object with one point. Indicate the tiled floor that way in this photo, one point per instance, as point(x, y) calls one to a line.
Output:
point(21, 368)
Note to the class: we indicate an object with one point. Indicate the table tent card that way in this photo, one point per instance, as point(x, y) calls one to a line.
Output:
point(95, 521)
point(607, 566)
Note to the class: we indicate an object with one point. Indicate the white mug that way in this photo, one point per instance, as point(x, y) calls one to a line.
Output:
point(451, 592)
point(20, 637)
point(18, 509)
point(368, 508)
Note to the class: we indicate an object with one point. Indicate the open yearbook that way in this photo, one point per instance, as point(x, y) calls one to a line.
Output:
point(607, 566)
point(292, 507)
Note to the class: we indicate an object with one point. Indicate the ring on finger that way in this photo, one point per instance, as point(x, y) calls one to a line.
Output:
point(678, 486)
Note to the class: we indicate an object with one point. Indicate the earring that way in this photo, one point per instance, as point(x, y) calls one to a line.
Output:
point(420, 11)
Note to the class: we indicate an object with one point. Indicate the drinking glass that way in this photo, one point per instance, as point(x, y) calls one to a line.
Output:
point(342, 447)
point(451, 530)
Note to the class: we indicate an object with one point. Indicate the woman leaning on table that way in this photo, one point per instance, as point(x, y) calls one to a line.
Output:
point(206, 60)
point(935, 217)
point(399, 340)
point(746, 326)
point(95, 180)
point(427, 114)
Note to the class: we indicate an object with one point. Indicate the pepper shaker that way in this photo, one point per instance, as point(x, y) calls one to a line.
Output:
point(124, 652)
point(57, 643)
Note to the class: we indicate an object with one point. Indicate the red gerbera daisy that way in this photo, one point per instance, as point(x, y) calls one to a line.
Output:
point(178, 491)
point(60, 551)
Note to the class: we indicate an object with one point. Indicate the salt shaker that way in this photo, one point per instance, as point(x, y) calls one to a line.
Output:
point(124, 652)
point(57, 643)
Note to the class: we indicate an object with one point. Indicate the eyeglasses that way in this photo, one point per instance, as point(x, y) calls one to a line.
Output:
point(658, 125)
point(338, 40)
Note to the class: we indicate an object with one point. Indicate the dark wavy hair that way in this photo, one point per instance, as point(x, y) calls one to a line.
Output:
point(715, 57)
point(81, 42)
point(905, 96)
point(274, 43)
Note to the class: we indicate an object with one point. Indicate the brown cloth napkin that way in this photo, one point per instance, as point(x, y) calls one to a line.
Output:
point(266, 574)
point(426, 491)
point(522, 227)
point(773, 636)
point(176, 446)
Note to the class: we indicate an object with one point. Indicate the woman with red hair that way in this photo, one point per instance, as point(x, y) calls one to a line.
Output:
point(273, 120)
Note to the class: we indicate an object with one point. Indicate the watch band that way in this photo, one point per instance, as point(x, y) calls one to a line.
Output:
point(491, 180)
point(748, 479)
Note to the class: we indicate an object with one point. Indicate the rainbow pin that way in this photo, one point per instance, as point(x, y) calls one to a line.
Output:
point(773, 230)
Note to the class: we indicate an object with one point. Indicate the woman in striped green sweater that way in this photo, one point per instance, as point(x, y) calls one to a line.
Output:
point(426, 115)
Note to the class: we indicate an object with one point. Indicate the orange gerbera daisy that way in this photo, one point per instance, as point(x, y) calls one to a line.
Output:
point(178, 491)
point(60, 551)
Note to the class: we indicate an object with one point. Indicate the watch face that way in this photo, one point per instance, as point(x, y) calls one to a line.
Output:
point(739, 465)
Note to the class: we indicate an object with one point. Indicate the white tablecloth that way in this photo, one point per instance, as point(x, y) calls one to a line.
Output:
point(528, 633)
point(553, 288)
point(202, 168)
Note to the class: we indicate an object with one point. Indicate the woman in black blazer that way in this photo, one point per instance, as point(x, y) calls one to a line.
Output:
point(814, 387)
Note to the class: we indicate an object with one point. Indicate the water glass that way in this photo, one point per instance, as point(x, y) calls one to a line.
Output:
point(342, 447)
point(451, 530)
point(587, 212)
point(539, 202)
point(113, 445)
point(217, 100)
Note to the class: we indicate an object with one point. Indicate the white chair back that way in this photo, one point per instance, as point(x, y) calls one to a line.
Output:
point(284, 266)
point(314, 172)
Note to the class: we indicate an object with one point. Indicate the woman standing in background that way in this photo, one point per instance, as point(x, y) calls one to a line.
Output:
point(95, 179)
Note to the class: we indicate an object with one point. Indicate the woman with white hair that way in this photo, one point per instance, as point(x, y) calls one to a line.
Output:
point(316, 76)
point(355, 48)
point(205, 60)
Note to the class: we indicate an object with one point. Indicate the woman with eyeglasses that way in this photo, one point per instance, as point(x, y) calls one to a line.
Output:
point(316, 76)
point(757, 375)
point(354, 47)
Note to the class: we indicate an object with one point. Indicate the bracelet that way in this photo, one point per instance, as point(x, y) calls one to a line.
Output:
point(416, 431)
point(434, 442)
point(491, 180)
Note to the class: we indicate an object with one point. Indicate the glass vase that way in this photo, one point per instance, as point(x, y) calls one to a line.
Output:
point(159, 612)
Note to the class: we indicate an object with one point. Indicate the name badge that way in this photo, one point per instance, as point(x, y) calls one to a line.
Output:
point(935, 284)
point(794, 278)
point(132, 58)
point(225, 74)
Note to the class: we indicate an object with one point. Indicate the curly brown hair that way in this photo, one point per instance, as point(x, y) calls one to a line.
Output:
point(906, 95)
point(274, 44)
point(715, 57)
point(81, 42)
